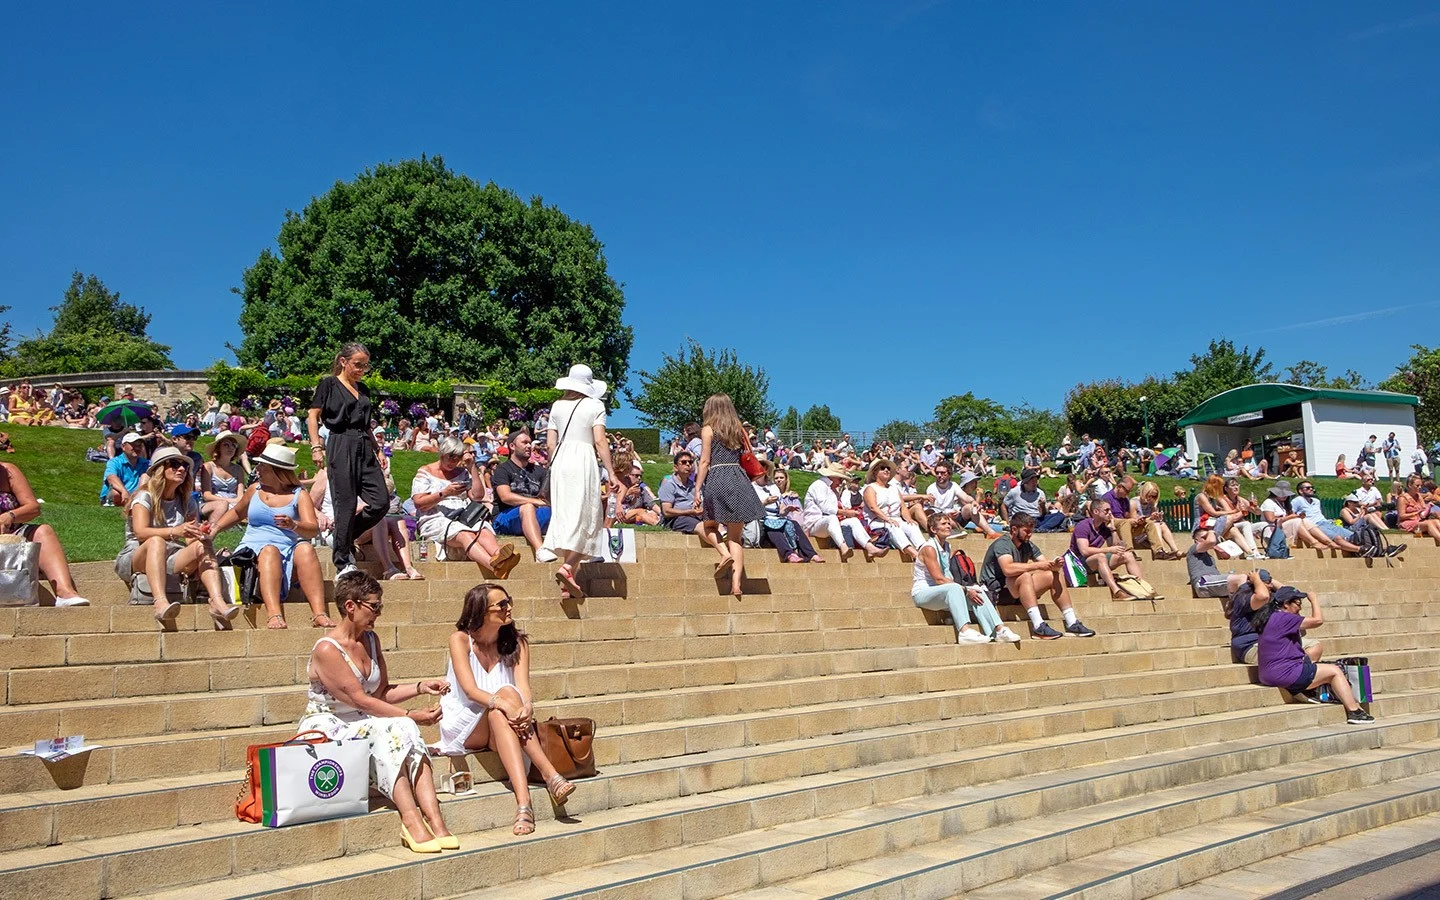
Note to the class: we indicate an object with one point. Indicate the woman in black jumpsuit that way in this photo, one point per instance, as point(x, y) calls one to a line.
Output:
point(342, 404)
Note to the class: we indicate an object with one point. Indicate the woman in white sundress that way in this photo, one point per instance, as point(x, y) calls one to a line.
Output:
point(577, 445)
point(351, 698)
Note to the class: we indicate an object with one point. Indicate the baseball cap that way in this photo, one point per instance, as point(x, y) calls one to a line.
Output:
point(132, 438)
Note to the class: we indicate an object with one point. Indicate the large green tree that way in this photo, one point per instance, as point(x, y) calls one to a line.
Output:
point(675, 393)
point(966, 417)
point(94, 331)
point(820, 418)
point(898, 431)
point(1420, 375)
point(440, 277)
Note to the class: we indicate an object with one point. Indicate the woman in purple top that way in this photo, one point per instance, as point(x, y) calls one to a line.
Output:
point(1283, 662)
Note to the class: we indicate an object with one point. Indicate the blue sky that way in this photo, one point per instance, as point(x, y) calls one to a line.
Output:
point(1014, 196)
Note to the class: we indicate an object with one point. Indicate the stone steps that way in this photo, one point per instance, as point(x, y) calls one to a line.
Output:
point(728, 841)
point(667, 758)
point(1349, 862)
point(823, 695)
point(1120, 851)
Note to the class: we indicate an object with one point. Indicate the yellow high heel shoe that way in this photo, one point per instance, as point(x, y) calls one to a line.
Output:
point(430, 846)
point(449, 841)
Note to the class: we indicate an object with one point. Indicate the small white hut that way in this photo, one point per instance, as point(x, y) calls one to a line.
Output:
point(1322, 422)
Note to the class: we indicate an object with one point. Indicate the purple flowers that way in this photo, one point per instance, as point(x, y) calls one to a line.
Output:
point(249, 404)
point(518, 415)
point(389, 408)
point(418, 410)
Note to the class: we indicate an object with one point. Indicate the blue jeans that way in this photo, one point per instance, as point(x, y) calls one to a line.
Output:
point(508, 522)
point(952, 597)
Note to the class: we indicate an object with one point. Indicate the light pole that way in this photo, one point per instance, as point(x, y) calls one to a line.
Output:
point(1145, 409)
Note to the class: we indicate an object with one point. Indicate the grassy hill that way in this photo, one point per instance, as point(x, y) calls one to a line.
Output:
point(54, 461)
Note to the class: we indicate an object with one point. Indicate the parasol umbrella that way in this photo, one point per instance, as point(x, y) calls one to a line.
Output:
point(123, 412)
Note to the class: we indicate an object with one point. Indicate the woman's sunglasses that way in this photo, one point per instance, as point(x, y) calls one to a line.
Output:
point(175, 464)
point(375, 608)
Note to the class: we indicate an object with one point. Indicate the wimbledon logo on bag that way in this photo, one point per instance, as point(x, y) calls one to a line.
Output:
point(326, 779)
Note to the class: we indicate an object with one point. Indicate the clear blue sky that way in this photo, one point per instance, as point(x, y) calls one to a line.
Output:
point(1016, 196)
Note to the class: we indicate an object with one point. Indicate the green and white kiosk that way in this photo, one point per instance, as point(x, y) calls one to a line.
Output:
point(1322, 422)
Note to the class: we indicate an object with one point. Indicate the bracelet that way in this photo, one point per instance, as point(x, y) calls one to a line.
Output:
point(418, 692)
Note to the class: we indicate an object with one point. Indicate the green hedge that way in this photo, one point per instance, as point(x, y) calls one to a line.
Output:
point(646, 440)
point(493, 400)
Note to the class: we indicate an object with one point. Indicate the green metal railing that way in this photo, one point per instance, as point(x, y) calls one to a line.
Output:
point(1178, 513)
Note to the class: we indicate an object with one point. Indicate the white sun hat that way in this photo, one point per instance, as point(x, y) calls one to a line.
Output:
point(582, 381)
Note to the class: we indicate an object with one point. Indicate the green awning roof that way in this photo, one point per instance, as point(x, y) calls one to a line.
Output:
point(1257, 397)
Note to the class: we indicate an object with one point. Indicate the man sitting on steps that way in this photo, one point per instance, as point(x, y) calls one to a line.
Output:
point(519, 508)
point(677, 502)
point(1015, 571)
point(1094, 543)
point(1206, 579)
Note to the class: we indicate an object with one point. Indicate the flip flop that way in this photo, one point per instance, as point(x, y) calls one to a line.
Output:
point(723, 566)
point(414, 575)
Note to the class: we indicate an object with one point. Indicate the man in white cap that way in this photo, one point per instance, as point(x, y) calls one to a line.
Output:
point(929, 456)
point(122, 473)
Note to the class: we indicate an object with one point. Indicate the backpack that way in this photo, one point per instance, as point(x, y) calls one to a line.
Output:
point(962, 568)
point(1371, 541)
point(1278, 547)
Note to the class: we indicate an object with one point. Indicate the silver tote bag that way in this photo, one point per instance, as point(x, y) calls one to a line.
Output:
point(19, 572)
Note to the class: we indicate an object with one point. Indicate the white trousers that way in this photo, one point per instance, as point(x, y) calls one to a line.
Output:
point(902, 536)
point(833, 528)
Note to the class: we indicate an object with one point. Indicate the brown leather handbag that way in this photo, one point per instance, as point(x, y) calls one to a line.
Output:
point(568, 745)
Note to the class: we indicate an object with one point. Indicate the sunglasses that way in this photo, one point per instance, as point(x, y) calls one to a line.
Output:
point(505, 604)
point(175, 464)
point(375, 608)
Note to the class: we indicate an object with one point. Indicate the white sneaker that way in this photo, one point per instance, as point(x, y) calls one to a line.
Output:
point(971, 637)
point(545, 556)
point(1003, 633)
point(346, 571)
point(71, 601)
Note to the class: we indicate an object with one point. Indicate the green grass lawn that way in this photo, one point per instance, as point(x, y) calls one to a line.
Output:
point(54, 461)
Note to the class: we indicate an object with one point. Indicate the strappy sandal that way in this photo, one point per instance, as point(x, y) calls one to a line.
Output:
point(396, 575)
point(560, 789)
point(524, 820)
point(316, 623)
point(505, 561)
point(414, 575)
point(270, 623)
point(565, 577)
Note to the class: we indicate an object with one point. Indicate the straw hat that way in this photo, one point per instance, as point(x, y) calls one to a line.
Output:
point(165, 455)
point(582, 381)
point(277, 456)
point(831, 470)
point(228, 436)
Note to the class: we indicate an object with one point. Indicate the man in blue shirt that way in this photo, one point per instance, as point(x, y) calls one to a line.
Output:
point(122, 473)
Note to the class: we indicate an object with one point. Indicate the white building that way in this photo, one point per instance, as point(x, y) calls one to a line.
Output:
point(1323, 422)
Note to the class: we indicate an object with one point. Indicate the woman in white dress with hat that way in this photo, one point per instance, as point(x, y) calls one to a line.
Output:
point(577, 445)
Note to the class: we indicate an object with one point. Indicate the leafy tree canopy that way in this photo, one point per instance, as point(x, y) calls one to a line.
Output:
point(440, 277)
point(789, 422)
point(93, 332)
point(820, 418)
point(1308, 373)
point(675, 393)
point(1420, 375)
point(966, 418)
point(897, 431)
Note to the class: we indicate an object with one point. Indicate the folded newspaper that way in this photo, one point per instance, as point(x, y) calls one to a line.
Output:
point(56, 749)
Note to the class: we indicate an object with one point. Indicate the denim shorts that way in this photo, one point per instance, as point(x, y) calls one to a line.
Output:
point(1306, 678)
